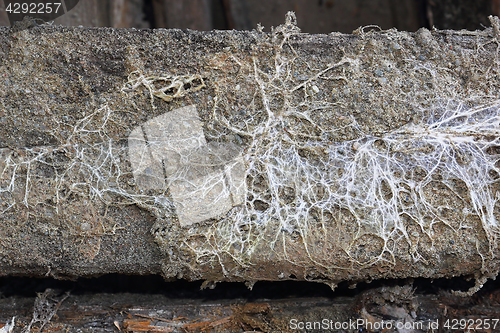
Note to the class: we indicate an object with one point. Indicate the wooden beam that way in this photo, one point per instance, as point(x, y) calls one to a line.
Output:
point(352, 168)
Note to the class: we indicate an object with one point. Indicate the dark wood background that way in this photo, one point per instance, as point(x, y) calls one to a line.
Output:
point(314, 16)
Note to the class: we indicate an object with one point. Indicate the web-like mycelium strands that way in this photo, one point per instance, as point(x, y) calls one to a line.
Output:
point(440, 168)
point(287, 177)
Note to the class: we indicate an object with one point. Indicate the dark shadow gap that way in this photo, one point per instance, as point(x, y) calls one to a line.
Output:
point(148, 12)
point(115, 283)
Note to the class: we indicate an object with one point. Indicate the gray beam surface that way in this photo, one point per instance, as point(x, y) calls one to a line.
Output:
point(246, 156)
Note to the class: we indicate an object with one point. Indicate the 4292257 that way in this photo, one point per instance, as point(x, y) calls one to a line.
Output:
point(33, 8)
point(475, 324)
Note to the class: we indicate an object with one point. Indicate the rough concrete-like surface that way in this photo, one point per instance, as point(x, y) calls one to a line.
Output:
point(372, 155)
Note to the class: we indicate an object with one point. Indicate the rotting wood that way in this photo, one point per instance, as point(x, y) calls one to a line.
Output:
point(372, 155)
point(393, 306)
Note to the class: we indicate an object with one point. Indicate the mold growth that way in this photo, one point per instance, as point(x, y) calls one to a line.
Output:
point(205, 181)
point(166, 87)
point(315, 199)
point(291, 162)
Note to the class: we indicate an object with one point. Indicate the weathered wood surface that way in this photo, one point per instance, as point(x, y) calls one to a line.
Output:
point(191, 14)
point(315, 17)
point(385, 307)
point(405, 122)
point(105, 13)
point(325, 15)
